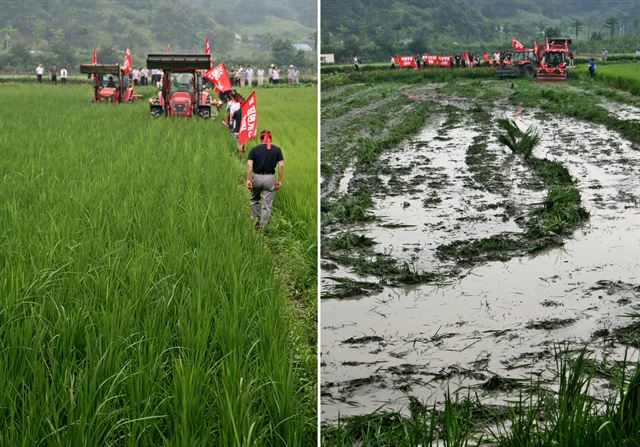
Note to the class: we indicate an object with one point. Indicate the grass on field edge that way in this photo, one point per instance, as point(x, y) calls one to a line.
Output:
point(539, 416)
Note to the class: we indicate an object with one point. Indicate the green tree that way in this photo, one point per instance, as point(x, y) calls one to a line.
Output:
point(611, 24)
point(37, 32)
point(577, 25)
point(8, 32)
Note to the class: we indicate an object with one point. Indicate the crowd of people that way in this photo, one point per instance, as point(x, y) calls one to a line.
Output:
point(240, 76)
point(53, 73)
point(500, 57)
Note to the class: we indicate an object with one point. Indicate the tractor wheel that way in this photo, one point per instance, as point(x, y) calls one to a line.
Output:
point(529, 71)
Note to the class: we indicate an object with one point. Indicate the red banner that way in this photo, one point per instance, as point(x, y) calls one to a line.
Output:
point(94, 58)
point(218, 75)
point(168, 49)
point(128, 64)
point(515, 44)
point(437, 60)
point(405, 61)
point(249, 124)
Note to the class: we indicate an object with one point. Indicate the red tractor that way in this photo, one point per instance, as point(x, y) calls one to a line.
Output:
point(524, 63)
point(182, 92)
point(552, 59)
point(110, 84)
point(546, 62)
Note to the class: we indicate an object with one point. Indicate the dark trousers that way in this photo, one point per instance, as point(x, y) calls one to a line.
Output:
point(54, 79)
point(64, 81)
point(39, 79)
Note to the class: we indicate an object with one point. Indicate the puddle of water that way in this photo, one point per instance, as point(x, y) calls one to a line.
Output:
point(621, 111)
point(434, 337)
point(343, 185)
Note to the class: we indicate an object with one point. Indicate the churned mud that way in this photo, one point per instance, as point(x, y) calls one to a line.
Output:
point(487, 323)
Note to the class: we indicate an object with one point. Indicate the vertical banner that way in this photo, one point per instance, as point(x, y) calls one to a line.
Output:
point(249, 123)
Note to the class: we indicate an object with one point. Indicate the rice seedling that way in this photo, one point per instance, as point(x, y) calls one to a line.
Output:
point(520, 142)
point(138, 305)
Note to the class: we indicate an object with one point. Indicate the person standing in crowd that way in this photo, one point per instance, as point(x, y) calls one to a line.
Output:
point(53, 71)
point(356, 62)
point(239, 74)
point(143, 75)
point(276, 75)
point(571, 59)
point(592, 68)
point(232, 76)
point(271, 74)
point(260, 74)
point(296, 75)
point(63, 75)
point(604, 55)
point(39, 73)
point(290, 74)
point(262, 162)
point(496, 58)
point(136, 76)
point(249, 76)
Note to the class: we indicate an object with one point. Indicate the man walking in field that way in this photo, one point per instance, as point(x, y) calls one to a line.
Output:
point(592, 68)
point(262, 162)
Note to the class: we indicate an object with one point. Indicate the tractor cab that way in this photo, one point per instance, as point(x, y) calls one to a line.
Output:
point(523, 64)
point(110, 84)
point(182, 92)
point(523, 56)
point(552, 58)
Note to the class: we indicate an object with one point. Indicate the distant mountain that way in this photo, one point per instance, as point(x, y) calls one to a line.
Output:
point(376, 29)
point(66, 30)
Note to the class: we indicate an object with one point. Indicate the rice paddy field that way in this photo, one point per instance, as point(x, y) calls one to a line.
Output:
point(480, 261)
point(625, 76)
point(138, 304)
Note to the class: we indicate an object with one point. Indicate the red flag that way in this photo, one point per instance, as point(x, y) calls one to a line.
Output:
point(218, 75)
point(207, 50)
point(249, 123)
point(168, 50)
point(94, 58)
point(515, 44)
point(128, 63)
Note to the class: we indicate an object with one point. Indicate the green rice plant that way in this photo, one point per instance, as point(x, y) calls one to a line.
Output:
point(138, 305)
point(515, 139)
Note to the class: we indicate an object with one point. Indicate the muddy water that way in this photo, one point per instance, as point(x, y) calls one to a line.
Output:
point(501, 317)
point(621, 111)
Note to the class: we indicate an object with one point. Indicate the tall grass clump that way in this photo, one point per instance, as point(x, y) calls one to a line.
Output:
point(138, 305)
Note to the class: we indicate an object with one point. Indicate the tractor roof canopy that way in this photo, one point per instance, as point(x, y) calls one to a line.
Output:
point(176, 62)
point(100, 69)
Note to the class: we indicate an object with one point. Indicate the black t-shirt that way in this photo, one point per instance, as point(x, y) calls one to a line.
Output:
point(237, 120)
point(265, 161)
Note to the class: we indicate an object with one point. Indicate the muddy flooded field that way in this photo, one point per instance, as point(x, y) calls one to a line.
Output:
point(486, 320)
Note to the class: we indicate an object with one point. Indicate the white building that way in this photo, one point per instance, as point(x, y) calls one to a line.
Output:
point(327, 58)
